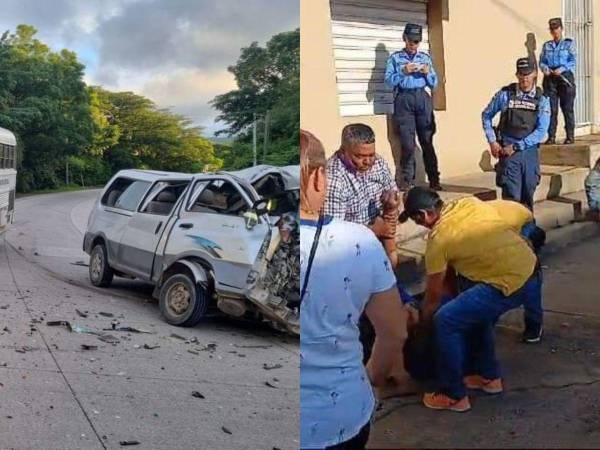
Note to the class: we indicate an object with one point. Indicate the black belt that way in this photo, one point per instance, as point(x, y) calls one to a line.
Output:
point(411, 89)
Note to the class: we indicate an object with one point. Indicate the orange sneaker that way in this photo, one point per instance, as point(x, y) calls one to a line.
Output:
point(435, 400)
point(483, 384)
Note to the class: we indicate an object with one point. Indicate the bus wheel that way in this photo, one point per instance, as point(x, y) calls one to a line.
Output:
point(183, 302)
point(101, 274)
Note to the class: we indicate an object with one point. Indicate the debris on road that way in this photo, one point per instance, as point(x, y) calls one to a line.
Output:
point(252, 346)
point(226, 430)
point(82, 329)
point(193, 352)
point(106, 314)
point(272, 367)
point(209, 348)
point(126, 443)
point(108, 338)
point(89, 347)
point(80, 263)
point(150, 346)
point(60, 323)
point(197, 394)
point(81, 313)
point(270, 385)
point(23, 349)
point(128, 330)
point(176, 336)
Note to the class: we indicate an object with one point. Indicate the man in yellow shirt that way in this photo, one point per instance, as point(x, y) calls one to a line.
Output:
point(498, 269)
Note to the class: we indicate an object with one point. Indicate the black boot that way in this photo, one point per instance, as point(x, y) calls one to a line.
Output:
point(569, 140)
point(533, 332)
point(551, 141)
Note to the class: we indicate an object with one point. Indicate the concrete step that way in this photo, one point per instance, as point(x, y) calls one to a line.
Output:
point(555, 181)
point(550, 215)
point(583, 153)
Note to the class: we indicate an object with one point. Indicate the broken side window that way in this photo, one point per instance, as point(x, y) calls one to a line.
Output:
point(220, 197)
point(163, 197)
point(125, 193)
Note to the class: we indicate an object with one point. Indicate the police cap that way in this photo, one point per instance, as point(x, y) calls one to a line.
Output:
point(525, 66)
point(413, 32)
point(555, 22)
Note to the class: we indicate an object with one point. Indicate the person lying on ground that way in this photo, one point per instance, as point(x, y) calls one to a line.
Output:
point(344, 271)
point(497, 270)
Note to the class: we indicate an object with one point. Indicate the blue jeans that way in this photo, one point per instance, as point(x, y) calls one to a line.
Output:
point(518, 176)
point(464, 334)
point(592, 189)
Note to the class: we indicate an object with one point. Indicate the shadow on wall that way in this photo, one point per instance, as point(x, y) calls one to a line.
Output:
point(383, 103)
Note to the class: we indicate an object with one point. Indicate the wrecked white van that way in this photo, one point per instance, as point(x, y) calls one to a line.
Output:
point(198, 238)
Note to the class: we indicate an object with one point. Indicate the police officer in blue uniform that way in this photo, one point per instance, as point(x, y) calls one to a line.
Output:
point(524, 119)
point(557, 62)
point(409, 72)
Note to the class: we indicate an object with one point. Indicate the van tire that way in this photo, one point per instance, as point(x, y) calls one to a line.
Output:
point(181, 288)
point(101, 274)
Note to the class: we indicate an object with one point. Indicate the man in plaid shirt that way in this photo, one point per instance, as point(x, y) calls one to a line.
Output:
point(358, 180)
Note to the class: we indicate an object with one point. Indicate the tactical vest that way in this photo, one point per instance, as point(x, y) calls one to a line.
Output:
point(520, 117)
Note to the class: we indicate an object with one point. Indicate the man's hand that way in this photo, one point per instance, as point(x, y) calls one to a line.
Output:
point(556, 72)
point(410, 68)
point(390, 201)
point(425, 69)
point(383, 228)
point(495, 149)
point(547, 72)
point(507, 150)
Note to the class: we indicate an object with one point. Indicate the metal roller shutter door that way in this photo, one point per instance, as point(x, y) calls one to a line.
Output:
point(365, 33)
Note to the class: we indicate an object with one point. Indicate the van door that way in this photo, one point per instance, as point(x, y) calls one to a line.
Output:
point(145, 228)
point(212, 226)
point(118, 205)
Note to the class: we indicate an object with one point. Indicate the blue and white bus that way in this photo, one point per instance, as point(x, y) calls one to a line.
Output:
point(8, 177)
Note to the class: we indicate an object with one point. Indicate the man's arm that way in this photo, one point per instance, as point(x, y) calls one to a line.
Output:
point(392, 72)
point(431, 77)
point(571, 58)
point(395, 75)
point(389, 317)
point(541, 128)
point(433, 296)
point(488, 114)
point(436, 265)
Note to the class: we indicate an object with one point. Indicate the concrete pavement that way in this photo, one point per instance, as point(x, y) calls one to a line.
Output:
point(552, 390)
point(55, 395)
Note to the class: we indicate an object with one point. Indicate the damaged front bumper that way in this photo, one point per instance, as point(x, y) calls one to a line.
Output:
point(274, 283)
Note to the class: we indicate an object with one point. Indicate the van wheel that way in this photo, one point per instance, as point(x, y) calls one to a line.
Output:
point(182, 302)
point(101, 274)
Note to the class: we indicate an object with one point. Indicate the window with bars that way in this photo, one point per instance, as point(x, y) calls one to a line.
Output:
point(7, 157)
point(577, 18)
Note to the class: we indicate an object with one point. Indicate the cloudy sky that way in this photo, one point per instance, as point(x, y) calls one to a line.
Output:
point(175, 52)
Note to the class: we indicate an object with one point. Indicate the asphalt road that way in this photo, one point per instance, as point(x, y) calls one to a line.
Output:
point(55, 395)
point(552, 390)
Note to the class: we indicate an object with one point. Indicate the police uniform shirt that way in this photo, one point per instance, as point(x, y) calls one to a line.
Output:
point(559, 55)
point(396, 78)
point(500, 103)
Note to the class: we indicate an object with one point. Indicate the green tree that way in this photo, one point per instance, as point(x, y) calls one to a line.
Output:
point(268, 80)
point(44, 100)
point(132, 132)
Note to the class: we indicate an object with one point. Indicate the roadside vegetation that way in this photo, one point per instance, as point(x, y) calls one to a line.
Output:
point(69, 131)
